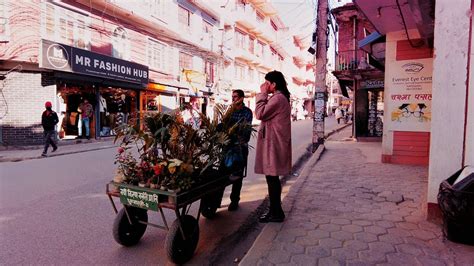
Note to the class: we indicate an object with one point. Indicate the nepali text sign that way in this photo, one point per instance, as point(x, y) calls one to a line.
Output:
point(70, 59)
point(409, 84)
point(140, 198)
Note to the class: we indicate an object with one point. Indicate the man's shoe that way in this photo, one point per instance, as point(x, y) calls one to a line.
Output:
point(88, 137)
point(54, 149)
point(233, 206)
point(264, 217)
point(44, 155)
point(79, 137)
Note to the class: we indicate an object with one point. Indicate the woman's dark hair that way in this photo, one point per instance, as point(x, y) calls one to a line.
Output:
point(281, 85)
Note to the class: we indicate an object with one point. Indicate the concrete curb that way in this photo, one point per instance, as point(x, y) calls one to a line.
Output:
point(264, 240)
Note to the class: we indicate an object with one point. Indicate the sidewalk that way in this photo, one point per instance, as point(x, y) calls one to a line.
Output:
point(350, 209)
point(64, 147)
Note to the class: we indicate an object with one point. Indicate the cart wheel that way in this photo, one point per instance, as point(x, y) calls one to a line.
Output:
point(180, 250)
point(128, 234)
point(210, 203)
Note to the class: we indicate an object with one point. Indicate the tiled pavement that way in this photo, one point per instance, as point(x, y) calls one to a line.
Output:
point(348, 209)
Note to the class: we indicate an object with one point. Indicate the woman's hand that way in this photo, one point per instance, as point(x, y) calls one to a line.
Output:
point(264, 87)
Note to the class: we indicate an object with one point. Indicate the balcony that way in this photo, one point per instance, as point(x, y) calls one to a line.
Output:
point(245, 15)
point(351, 60)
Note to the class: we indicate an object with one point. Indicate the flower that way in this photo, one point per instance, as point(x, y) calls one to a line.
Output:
point(157, 169)
point(120, 150)
point(172, 169)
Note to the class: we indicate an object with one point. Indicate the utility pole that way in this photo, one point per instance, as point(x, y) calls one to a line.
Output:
point(320, 74)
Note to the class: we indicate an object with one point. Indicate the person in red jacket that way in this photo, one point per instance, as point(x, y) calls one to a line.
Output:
point(49, 119)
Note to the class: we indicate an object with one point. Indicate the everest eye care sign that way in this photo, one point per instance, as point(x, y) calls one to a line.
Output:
point(62, 57)
point(409, 84)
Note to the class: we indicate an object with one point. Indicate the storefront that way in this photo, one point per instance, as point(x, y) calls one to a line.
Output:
point(111, 86)
point(369, 102)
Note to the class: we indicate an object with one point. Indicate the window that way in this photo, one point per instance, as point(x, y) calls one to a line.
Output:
point(185, 61)
point(274, 26)
point(260, 49)
point(65, 26)
point(156, 7)
point(239, 72)
point(206, 30)
point(252, 45)
point(251, 74)
point(184, 17)
point(260, 17)
point(120, 43)
point(4, 25)
point(239, 39)
point(209, 70)
point(156, 55)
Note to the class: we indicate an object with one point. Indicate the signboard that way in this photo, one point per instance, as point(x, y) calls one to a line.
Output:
point(372, 84)
point(70, 59)
point(138, 197)
point(409, 84)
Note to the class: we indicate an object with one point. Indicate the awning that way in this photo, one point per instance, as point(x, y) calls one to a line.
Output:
point(345, 84)
point(373, 37)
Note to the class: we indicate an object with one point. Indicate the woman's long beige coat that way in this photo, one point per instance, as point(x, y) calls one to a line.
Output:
point(274, 135)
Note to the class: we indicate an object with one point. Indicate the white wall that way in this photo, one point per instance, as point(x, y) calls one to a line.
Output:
point(449, 93)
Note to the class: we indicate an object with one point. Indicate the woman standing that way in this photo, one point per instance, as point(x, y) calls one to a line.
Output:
point(273, 156)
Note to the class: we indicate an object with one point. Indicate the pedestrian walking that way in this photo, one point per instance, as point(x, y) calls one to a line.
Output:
point(273, 157)
point(86, 110)
point(338, 114)
point(49, 119)
point(241, 114)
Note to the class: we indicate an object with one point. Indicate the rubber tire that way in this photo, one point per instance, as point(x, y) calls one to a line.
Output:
point(128, 234)
point(178, 250)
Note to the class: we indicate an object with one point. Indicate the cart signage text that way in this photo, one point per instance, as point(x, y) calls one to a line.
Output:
point(137, 197)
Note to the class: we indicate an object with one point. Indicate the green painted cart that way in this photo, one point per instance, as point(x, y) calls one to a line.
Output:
point(183, 234)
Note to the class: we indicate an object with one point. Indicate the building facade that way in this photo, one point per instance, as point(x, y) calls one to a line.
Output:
point(429, 105)
point(359, 72)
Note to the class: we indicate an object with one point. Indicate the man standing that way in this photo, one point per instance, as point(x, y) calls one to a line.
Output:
point(86, 114)
point(242, 114)
point(49, 119)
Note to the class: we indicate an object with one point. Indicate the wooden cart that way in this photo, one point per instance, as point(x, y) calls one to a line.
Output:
point(183, 234)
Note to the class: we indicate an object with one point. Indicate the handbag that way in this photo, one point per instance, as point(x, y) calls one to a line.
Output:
point(233, 158)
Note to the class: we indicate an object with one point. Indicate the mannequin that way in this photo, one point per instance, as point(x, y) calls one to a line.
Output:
point(61, 113)
point(104, 129)
point(122, 115)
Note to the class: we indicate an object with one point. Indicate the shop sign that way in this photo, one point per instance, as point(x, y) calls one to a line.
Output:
point(409, 95)
point(372, 84)
point(70, 59)
point(138, 197)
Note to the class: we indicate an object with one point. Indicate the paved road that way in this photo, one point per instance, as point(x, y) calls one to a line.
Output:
point(54, 210)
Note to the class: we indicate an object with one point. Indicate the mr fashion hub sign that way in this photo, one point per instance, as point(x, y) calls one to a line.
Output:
point(70, 59)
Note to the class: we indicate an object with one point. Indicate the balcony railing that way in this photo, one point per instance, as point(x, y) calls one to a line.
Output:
point(349, 60)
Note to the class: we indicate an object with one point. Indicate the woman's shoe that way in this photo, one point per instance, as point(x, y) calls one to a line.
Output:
point(271, 218)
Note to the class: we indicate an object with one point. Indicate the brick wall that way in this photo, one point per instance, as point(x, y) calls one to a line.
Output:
point(22, 107)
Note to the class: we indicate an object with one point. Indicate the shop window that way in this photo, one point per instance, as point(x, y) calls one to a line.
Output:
point(65, 26)
point(185, 61)
point(4, 25)
point(120, 43)
point(156, 55)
